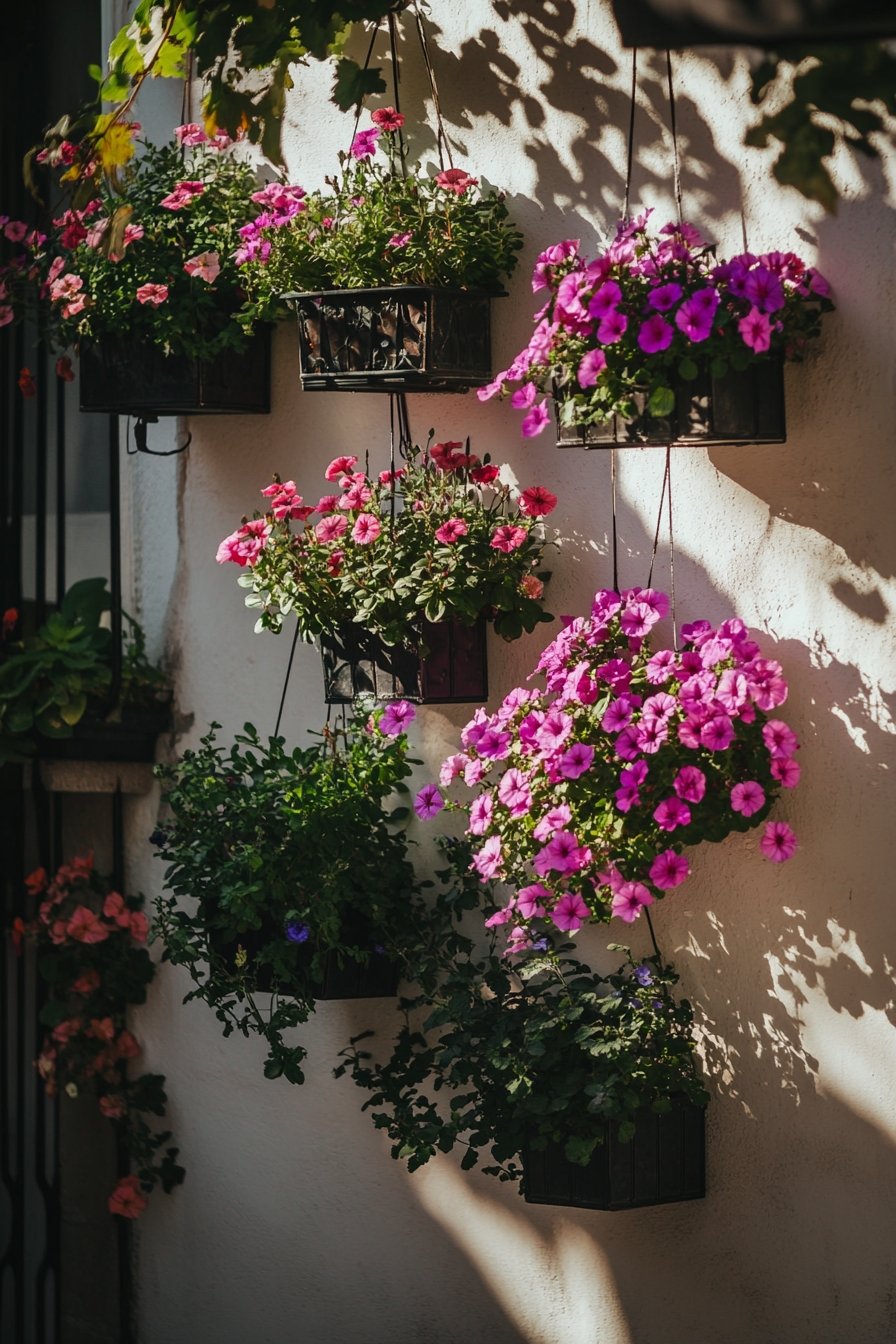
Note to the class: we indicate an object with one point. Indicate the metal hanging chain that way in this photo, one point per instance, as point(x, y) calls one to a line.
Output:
point(666, 498)
point(659, 516)
point(630, 151)
point(443, 144)
point(674, 128)
point(292, 654)
point(396, 81)
point(366, 66)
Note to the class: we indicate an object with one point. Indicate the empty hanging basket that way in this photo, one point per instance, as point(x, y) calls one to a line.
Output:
point(453, 670)
point(735, 407)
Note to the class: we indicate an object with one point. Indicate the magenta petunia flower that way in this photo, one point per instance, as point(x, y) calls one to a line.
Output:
point(605, 300)
point(690, 784)
point(590, 368)
point(530, 901)
point(364, 144)
point(694, 320)
point(669, 870)
point(655, 334)
point(523, 397)
point(764, 290)
point(494, 745)
point(672, 813)
point(536, 420)
point(778, 842)
point(399, 240)
point(570, 912)
point(554, 820)
point(244, 546)
point(366, 529)
point(786, 771)
point(455, 180)
point(780, 740)
point(612, 328)
point(576, 760)
point(747, 798)
point(508, 538)
point(756, 330)
point(717, 733)
point(514, 793)
point(664, 297)
point(490, 859)
point(450, 531)
point(429, 802)
point(396, 718)
point(562, 855)
point(629, 900)
point(617, 714)
point(481, 811)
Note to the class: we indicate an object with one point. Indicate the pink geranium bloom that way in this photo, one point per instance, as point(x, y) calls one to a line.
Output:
point(429, 802)
point(629, 900)
point(207, 265)
point(507, 538)
point(85, 926)
point(366, 529)
point(690, 784)
point(537, 502)
point(330, 529)
point(672, 813)
point(152, 294)
point(455, 180)
point(570, 912)
point(450, 531)
point(126, 1199)
point(655, 334)
point(590, 368)
point(747, 798)
point(536, 420)
point(778, 842)
point(669, 870)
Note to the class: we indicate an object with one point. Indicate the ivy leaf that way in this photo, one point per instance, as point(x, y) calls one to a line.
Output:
point(352, 84)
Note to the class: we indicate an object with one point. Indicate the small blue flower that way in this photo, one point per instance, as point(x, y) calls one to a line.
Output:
point(378, 949)
point(297, 931)
point(644, 975)
point(540, 945)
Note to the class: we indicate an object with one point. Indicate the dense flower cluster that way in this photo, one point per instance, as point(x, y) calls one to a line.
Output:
point(650, 310)
point(91, 942)
point(150, 253)
point(587, 794)
point(443, 535)
point(377, 224)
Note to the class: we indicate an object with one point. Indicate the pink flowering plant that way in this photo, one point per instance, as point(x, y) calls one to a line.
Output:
point(615, 334)
point(441, 536)
point(589, 795)
point(378, 223)
point(279, 860)
point(144, 252)
point(90, 942)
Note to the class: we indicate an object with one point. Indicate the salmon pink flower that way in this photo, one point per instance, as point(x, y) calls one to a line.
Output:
point(388, 119)
point(184, 194)
point(244, 546)
point(112, 1106)
point(152, 294)
point(126, 1199)
point(207, 265)
point(86, 927)
point(456, 180)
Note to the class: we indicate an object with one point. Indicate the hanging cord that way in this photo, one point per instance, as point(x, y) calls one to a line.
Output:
point(140, 444)
point(615, 532)
point(674, 128)
point(292, 654)
point(630, 151)
point(659, 516)
point(443, 144)
point(666, 498)
point(396, 81)
point(366, 66)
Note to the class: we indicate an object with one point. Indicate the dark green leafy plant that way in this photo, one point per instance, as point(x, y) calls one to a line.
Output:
point(279, 859)
point(51, 680)
point(495, 1054)
point(91, 955)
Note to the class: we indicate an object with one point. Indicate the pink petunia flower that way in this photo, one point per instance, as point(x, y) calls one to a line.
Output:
point(717, 733)
point(562, 855)
point(570, 912)
point(655, 334)
point(481, 811)
point(669, 870)
point(590, 368)
point(339, 467)
point(629, 900)
point(747, 798)
point(184, 194)
point(536, 420)
point(778, 842)
point(207, 265)
point(455, 180)
point(152, 294)
point(366, 529)
point(451, 531)
point(780, 740)
point(364, 144)
point(530, 901)
point(396, 718)
point(507, 538)
point(690, 784)
point(537, 502)
point(612, 328)
point(244, 546)
point(490, 859)
point(756, 330)
point(399, 240)
point(388, 119)
point(672, 813)
point(330, 529)
point(786, 771)
point(576, 760)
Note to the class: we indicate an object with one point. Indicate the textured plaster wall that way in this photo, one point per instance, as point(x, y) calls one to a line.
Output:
point(294, 1224)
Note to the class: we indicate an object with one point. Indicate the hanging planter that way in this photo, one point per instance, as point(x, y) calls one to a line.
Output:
point(412, 338)
point(137, 378)
point(139, 275)
point(132, 736)
point(663, 1162)
point(454, 668)
point(402, 571)
point(653, 342)
point(736, 406)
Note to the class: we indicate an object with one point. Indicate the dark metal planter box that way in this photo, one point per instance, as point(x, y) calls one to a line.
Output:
point(744, 408)
point(657, 23)
point(454, 671)
point(663, 1164)
point(409, 338)
point(133, 738)
point(138, 379)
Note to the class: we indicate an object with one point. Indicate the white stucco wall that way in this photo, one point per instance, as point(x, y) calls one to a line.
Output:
point(294, 1224)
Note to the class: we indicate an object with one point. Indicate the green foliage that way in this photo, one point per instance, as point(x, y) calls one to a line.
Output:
point(86, 279)
point(851, 83)
point(379, 223)
point(266, 845)
point(492, 1053)
point(406, 575)
point(50, 680)
point(91, 956)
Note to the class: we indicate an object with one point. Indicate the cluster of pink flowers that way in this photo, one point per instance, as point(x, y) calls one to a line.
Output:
point(645, 304)
point(280, 203)
point(588, 792)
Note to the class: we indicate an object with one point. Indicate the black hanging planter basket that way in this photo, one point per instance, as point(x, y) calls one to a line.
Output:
point(664, 1163)
point(408, 338)
point(454, 671)
point(656, 23)
point(131, 738)
point(375, 978)
point(737, 408)
point(136, 378)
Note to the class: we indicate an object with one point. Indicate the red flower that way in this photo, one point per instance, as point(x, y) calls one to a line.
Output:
point(64, 369)
point(536, 502)
point(126, 1199)
point(9, 622)
point(387, 119)
point(27, 385)
point(456, 180)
